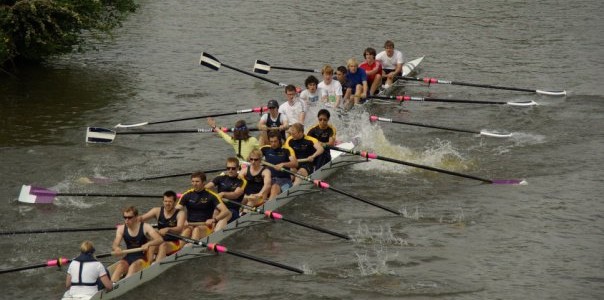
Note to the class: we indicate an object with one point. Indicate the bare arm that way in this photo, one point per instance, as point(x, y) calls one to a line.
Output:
point(223, 212)
point(107, 282)
point(152, 234)
point(119, 233)
point(152, 213)
point(68, 281)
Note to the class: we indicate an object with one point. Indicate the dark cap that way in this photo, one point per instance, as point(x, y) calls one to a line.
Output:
point(272, 104)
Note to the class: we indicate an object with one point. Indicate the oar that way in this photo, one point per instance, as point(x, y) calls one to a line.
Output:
point(104, 180)
point(277, 216)
point(222, 249)
point(214, 64)
point(32, 231)
point(105, 135)
point(482, 132)
point(401, 98)
point(31, 194)
point(375, 156)
point(263, 67)
point(325, 185)
point(430, 80)
point(61, 261)
point(242, 111)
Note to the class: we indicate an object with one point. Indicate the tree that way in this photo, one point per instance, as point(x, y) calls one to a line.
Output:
point(32, 30)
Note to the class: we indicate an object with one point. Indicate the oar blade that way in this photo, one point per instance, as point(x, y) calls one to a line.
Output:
point(509, 181)
point(209, 61)
point(551, 93)
point(261, 67)
point(495, 134)
point(521, 103)
point(36, 195)
point(99, 135)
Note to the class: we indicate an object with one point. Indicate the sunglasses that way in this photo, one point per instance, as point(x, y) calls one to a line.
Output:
point(323, 119)
point(128, 217)
point(231, 168)
point(254, 159)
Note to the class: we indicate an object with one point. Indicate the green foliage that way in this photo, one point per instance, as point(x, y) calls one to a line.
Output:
point(31, 30)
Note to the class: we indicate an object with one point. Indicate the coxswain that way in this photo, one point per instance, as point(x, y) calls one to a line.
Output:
point(241, 140)
point(229, 186)
point(169, 219)
point(282, 157)
point(272, 121)
point(201, 205)
point(258, 179)
point(84, 274)
point(325, 133)
point(135, 234)
point(306, 149)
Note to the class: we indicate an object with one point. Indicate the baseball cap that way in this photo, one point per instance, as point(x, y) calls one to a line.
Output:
point(272, 104)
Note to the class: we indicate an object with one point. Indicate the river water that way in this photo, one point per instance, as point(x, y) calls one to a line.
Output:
point(457, 238)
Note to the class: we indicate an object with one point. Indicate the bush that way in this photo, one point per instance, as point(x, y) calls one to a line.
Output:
point(32, 30)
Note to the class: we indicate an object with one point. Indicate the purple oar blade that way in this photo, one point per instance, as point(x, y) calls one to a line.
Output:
point(42, 195)
point(509, 181)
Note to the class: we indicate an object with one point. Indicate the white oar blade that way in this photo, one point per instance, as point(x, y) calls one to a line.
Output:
point(33, 195)
point(410, 66)
point(131, 125)
point(261, 67)
point(493, 134)
point(209, 61)
point(551, 93)
point(522, 103)
point(99, 135)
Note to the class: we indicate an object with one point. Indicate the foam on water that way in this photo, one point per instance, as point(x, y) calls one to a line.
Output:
point(375, 263)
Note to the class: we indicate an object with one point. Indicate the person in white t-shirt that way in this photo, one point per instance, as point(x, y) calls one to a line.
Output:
point(293, 108)
point(84, 272)
point(312, 94)
point(332, 89)
point(392, 61)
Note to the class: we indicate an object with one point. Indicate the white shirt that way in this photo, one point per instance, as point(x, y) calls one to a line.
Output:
point(293, 111)
point(331, 91)
point(91, 272)
point(389, 63)
point(311, 98)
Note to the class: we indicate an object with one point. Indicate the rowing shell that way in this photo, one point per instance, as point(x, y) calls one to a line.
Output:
point(339, 160)
point(408, 68)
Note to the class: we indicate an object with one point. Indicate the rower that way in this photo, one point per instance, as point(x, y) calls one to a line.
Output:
point(229, 186)
point(273, 120)
point(392, 61)
point(332, 89)
point(258, 180)
point(341, 77)
point(312, 93)
point(84, 274)
point(373, 69)
point(169, 219)
point(357, 81)
point(201, 204)
point(135, 234)
point(306, 149)
point(293, 108)
point(325, 133)
point(241, 140)
point(281, 157)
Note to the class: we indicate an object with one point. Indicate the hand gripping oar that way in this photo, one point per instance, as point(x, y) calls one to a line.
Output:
point(401, 98)
point(222, 249)
point(104, 180)
point(263, 67)
point(105, 135)
point(375, 156)
point(325, 185)
point(242, 111)
point(61, 261)
point(482, 132)
point(214, 64)
point(277, 216)
point(430, 80)
point(31, 194)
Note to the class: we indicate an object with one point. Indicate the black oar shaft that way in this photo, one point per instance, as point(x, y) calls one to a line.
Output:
point(252, 74)
point(31, 231)
point(194, 118)
point(365, 200)
point(107, 195)
point(168, 176)
point(402, 98)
